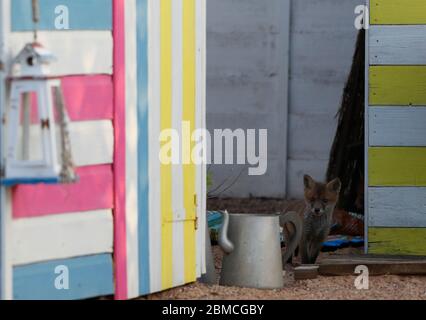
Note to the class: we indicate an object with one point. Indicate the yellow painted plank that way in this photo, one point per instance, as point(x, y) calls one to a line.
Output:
point(397, 85)
point(397, 241)
point(398, 12)
point(397, 166)
point(166, 123)
point(189, 169)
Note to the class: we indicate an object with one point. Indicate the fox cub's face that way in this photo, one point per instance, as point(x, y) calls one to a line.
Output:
point(319, 196)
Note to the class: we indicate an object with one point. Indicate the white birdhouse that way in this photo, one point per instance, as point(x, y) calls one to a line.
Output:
point(32, 148)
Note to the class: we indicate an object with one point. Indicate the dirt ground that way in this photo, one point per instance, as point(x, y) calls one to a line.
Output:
point(323, 288)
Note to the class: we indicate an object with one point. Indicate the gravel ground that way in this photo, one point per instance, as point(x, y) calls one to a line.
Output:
point(380, 287)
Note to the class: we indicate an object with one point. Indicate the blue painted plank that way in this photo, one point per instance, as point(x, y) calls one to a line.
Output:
point(83, 14)
point(143, 182)
point(89, 277)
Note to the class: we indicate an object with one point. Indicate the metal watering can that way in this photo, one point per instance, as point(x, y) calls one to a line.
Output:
point(252, 247)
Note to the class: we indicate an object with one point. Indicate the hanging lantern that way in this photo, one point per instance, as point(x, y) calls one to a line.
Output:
point(33, 152)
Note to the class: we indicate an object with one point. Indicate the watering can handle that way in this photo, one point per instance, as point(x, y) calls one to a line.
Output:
point(292, 243)
point(223, 239)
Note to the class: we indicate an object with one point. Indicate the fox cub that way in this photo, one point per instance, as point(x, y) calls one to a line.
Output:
point(315, 218)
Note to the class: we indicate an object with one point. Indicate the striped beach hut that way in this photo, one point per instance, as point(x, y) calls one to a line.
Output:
point(131, 225)
point(396, 127)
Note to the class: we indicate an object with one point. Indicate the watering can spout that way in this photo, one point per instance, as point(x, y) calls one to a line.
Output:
point(223, 240)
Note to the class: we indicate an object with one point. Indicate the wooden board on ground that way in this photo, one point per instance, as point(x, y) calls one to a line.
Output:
point(340, 265)
point(305, 272)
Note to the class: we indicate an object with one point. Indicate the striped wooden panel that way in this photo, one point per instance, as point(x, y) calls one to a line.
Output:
point(397, 166)
point(61, 236)
point(82, 14)
point(78, 53)
point(88, 97)
point(397, 126)
point(397, 85)
point(397, 207)
point(397, 45)
point(92, 142)
point(89, 276)
point(397, 12)
point(93, 191)
point(397, 241)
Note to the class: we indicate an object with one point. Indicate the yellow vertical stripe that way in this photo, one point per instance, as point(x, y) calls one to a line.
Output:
point(166, 123)
point(189, 170)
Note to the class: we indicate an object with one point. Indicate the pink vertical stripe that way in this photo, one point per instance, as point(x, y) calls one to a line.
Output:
point(120, 149)
point(93, 191)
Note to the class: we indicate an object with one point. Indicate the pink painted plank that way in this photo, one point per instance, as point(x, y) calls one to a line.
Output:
point(93, 191)
point(86, 98)
point(120, 256)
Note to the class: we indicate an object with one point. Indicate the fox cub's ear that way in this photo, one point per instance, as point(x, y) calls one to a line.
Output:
point(308, 182)
point(334, 185)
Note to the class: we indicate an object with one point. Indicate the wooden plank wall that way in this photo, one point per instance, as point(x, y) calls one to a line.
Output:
point(396, 126)
point(70, 225)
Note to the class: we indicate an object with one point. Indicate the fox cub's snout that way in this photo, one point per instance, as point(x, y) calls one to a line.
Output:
point(321, 197)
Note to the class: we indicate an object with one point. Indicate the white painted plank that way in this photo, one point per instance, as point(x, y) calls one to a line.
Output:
point(397, 207)
point(397, 126)
point(155, 222)
point(177, 169)
point(132, 210)
point(62, 236)
point(397, 45)
point(92, 142)
point(88, 52)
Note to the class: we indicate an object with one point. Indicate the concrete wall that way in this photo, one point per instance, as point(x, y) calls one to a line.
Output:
point(247, 53)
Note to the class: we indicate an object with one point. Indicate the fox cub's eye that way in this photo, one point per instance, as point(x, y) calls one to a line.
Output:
point(324, 200)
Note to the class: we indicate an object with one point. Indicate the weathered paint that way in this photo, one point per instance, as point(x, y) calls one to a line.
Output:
point(119, 34)
point(397, 12)
point(397, 241)
point(397, 166)
point(83, 14)
point(39, 200)
point(397, 207)
point(397, 126)
point(61, 236)
point(89, 277)
point(397, 85)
